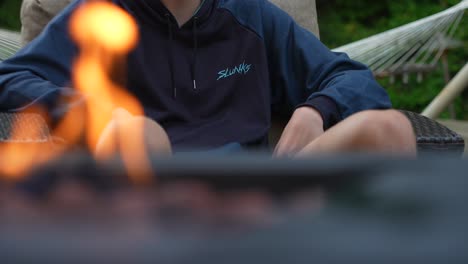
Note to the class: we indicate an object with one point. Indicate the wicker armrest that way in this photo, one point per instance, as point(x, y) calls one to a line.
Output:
point(432, 137)
point(28, 128)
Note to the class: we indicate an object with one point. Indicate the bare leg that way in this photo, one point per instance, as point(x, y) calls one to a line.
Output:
point(385, 131)
point(134, 133)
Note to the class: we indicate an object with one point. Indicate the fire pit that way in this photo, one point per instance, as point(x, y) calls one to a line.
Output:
point(238, 209)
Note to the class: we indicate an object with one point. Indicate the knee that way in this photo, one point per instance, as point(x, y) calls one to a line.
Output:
point(384, 121)
point(386, 126)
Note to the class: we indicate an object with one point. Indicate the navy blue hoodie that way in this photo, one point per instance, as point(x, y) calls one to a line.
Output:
point(214, 81)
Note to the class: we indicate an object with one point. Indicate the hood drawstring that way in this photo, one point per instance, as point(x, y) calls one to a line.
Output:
point(195, 49)
point(171, 57)
point(171, 50)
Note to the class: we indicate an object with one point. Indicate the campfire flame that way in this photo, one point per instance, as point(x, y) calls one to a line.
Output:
point(105, 34)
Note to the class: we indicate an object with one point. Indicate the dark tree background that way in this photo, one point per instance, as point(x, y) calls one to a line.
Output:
point(9, 14)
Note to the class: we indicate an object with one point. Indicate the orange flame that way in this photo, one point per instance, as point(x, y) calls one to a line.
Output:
point(104, 33)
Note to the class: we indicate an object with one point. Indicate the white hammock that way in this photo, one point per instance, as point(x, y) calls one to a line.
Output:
point(415, 47)
point(9, 43)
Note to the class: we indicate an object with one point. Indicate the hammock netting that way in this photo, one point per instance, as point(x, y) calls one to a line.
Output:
point(415, 47)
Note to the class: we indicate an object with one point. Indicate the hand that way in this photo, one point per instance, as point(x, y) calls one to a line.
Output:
point(305, 125)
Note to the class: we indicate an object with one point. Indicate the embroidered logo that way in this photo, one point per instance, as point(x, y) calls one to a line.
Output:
point(243, 68)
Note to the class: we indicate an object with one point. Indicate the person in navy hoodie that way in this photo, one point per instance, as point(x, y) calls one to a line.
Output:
point(213, 72)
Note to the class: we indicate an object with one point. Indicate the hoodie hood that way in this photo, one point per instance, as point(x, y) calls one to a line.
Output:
point(155, 12)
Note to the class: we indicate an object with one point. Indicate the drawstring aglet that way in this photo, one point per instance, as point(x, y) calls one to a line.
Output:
point(194, 84)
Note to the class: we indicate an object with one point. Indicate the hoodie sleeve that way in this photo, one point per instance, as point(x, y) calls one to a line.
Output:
point(39, 74)
point(304, 72)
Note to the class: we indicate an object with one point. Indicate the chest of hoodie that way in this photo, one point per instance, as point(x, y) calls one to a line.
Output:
point(199, 69)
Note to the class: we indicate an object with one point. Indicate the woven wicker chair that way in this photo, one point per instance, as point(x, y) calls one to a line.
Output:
point(431, 137)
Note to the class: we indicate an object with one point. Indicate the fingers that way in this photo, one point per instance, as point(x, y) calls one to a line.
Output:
point(294, 138)
point(106, 145)
point(284, 146)
point(304, 127)
point(278, 147)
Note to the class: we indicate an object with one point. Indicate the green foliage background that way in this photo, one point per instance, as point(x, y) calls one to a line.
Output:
point(9, 14)
point(345, 21)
